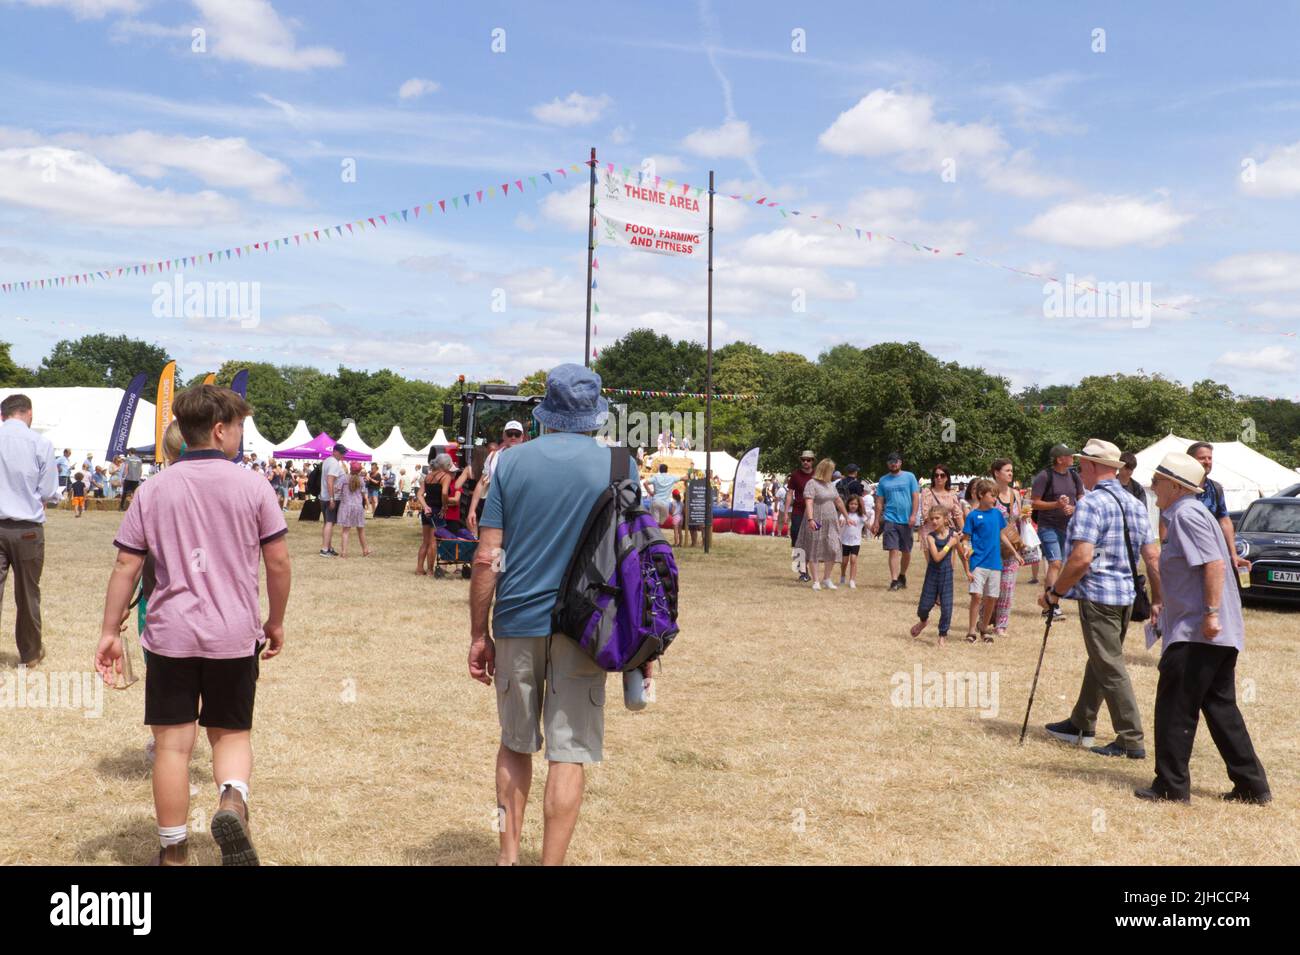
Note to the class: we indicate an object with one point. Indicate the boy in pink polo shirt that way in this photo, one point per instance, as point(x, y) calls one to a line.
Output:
point(206, 522)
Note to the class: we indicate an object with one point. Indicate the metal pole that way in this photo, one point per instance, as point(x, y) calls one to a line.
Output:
point(591, 248)
point(708, 391)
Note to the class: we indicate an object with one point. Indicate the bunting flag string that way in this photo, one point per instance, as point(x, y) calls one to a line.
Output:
point(553, 177)
point(859, 233)
point(644, 393)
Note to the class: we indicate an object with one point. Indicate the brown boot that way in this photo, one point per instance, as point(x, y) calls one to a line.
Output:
point(178, 854)
point(230, 829)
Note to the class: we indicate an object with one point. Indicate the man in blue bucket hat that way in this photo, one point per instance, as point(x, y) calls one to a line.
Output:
point(539, 499)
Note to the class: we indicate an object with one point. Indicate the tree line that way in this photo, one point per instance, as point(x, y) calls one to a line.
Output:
point(853, 404)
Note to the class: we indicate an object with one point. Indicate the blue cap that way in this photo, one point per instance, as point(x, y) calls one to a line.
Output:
point(573, 401)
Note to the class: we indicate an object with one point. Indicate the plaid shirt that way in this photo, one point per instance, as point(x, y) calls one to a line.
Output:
point(1098, 520)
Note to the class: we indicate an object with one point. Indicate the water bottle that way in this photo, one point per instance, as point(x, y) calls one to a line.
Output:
point(634, 697)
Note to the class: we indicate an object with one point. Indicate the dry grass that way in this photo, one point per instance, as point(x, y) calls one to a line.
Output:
point(774, 707)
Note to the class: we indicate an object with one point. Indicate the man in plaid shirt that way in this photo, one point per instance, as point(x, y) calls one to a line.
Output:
point(1097, 574)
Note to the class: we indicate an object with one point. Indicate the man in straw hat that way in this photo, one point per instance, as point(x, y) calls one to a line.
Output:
point(1098, 574)
point(1202, 632)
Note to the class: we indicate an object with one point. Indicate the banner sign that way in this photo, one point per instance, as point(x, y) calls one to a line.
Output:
point(166, 389)
point(117, 441)
point(697, 502)
point(743, 497)
point(662, 240)
point(239, 385)
point(629, 190)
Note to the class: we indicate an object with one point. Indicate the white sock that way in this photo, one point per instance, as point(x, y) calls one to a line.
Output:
point(172, 835)
point(236, 784)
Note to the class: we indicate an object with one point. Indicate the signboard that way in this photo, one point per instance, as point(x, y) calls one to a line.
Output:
point(697, 503)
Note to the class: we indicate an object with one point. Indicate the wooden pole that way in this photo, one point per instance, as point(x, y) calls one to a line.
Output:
point(708, 392)
point(591, 249)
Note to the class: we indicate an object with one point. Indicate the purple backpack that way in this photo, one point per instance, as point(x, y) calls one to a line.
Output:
point(618, 598)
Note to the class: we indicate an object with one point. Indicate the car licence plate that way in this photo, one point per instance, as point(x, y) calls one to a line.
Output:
point(1284, 576)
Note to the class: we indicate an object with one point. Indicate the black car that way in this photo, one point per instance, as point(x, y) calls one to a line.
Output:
point(1269, 537)
point(1236, 516)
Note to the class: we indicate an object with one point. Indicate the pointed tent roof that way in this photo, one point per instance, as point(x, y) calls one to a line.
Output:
point(352, 440)
point(318, 449)
point(439, 439)
point(254, 443)
point(301, 435)
point(395, 448)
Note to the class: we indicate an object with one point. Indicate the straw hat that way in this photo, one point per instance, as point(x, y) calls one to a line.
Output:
point(1102, 452)
point(1183, 469)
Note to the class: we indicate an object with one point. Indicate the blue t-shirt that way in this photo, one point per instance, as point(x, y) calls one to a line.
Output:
point(663, 485)
point(1212, 498)
point(64, 465)
point(984, 528)
point(897, 490)
point(540, 496)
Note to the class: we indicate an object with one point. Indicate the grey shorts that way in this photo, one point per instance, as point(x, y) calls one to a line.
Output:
point(570, 711)
point(987, 582)
point(896, 536)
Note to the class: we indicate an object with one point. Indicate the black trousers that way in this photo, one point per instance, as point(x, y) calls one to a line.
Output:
point(1199, 678)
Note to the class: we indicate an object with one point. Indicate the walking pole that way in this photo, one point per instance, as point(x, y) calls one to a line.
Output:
point(1038, 669)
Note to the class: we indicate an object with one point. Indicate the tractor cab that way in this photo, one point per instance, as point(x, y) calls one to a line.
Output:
point(483, 416)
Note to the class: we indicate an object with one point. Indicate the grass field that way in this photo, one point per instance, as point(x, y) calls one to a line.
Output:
point(774, 739)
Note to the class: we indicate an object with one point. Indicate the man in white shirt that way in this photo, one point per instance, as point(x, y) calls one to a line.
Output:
point(331, 489)
point(511, 434)
point(28, 481)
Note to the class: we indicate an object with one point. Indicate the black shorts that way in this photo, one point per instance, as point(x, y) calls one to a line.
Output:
point(850, 550)
point(330, 511)
point(432, 520)
point(174, 687)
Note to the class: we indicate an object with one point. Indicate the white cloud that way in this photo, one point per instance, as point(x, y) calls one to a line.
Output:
point(1277, 175)
point(1276, 359)
point(1259, 272)
point(885, 123)
point(416, 87)
point(77, 186)
point(621, 134)
point(224, 163)
point(291, 112)
point(574, 110)
point(731, 140)
point(250, 31)
point(903, 125)
point(444, 264)
point(1281, 310)
point(87, 9)
point(663, 165)
point(129, 29)
point(1017, 177)
point(1100, 222)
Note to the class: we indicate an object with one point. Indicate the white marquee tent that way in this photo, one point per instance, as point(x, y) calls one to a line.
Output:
point(439, 439)
point(1244, 473)
point(396, 451)
point(351, 439)
point(254, 443)
point(301, 435)
point(82, 418)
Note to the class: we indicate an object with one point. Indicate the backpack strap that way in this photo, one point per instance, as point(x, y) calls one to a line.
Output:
point(1128, 543)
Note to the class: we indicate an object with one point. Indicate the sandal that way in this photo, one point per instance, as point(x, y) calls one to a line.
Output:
point(972, 637)
point(986, 638)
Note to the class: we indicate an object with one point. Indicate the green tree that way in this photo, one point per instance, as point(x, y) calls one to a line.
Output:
point(11, 374)
point(115, 359)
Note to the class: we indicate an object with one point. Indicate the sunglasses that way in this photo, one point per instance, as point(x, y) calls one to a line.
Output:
point(807, 459)
point(514, 434)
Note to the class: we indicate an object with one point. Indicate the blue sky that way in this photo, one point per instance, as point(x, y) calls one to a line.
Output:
point(120, 144)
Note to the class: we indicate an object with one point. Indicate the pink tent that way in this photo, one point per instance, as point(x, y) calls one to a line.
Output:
point(318, 449)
